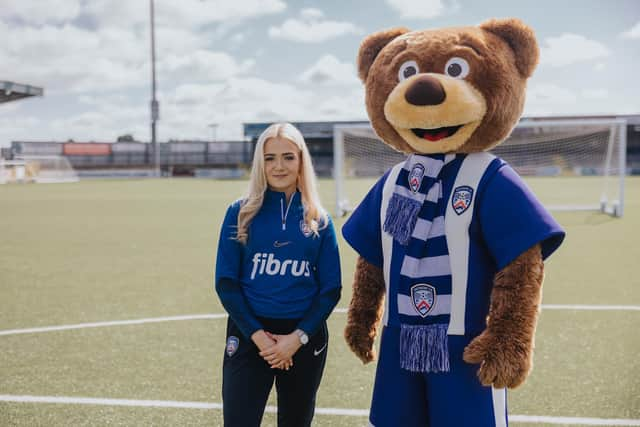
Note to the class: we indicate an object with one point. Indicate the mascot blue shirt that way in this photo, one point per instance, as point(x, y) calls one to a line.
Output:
point(506, 220)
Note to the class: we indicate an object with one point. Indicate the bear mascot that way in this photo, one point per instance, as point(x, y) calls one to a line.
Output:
point(451, 242)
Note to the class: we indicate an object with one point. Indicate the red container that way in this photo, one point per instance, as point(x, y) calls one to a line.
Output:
point(86, 149)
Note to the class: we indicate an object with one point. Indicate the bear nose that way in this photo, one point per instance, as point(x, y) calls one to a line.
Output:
point(425, 90)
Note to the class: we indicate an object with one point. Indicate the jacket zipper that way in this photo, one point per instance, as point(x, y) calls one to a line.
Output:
point(283, 213)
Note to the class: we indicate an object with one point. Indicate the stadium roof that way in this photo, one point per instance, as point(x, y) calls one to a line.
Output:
point(10, 91)
point(308, 129)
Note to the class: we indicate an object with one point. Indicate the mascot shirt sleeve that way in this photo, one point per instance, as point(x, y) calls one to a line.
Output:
point(513, 219)
point(362, 229)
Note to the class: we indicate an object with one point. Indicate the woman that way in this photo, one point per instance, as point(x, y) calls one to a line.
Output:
point(278, 277)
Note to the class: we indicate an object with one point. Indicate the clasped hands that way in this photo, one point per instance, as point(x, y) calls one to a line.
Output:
point(277, 350)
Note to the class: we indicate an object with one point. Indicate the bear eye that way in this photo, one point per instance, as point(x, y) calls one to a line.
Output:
point(407, 70)
point(457, 68)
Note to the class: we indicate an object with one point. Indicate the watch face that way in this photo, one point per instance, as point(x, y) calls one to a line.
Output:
point(304, 339)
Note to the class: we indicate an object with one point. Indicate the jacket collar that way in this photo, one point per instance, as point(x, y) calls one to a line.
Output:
point(271, 196)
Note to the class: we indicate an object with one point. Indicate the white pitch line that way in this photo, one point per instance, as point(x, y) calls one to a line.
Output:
point(272, 409)
point(112, 323)
point(591, 307)
point(108, 402)
point(566, 307)
point(579, 421)
point(224, 316)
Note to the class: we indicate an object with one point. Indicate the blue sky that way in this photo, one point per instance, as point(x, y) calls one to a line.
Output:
point(229, 62)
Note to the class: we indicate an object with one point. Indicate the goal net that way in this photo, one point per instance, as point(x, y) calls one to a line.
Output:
point(38, 169)
point(569, 164)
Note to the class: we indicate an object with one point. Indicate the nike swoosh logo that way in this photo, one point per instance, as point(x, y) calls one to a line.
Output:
point(277, 244)
point(317, 352)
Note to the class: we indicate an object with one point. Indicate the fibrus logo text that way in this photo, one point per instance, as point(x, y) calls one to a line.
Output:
point(266, 263)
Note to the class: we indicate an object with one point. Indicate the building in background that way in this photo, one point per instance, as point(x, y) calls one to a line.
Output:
point(231, 159)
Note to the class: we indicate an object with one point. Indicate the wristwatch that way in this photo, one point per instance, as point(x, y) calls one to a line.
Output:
point(304, 338)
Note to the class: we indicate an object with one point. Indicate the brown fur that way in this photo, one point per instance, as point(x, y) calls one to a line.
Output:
point(521, 40)
point(505, 348)
point(365, 310)
point(371, 46)
point(502, 54)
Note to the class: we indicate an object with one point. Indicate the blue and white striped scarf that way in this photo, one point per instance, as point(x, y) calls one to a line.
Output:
point(415, 219)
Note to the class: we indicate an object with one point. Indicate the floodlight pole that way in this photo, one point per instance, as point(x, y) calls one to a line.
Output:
point(154, 101)
point(214, 127)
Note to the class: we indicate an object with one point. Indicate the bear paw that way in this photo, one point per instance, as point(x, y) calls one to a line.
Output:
point(504, 361)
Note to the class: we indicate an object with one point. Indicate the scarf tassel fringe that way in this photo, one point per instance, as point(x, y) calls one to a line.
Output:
point(424, 348)
point(401, 218)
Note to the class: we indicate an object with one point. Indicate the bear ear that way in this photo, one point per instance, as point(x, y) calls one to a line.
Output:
point(371, 47)
point(522, 40)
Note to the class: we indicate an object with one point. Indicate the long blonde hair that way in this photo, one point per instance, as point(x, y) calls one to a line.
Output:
point(315, 216)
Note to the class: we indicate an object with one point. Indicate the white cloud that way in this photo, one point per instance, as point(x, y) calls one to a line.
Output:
point(72, 58)
point(311, 28)
point(419, 9)
point(48, 42)
point(595, 94)
point(311, 13)
point(103, 124)
point(552, 93)
point(173, 40)
point(190, 108)
point(120, 14)
point(203, 65)
point(632, 33)
point(198, 12)
point(545, 99)
point(329, 70)
point(101, 118)
point(571, 48)
point(185, 14)
point(548, 98)
point(18, 125)
point(345, 106)
point(39, 13)
point(250, 99)
point(238, 38)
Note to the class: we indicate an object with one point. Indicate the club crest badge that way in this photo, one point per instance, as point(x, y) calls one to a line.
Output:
point(232, 345)
point(415, 177)
point(461, 199)
point(423, 297)
point(306, 230)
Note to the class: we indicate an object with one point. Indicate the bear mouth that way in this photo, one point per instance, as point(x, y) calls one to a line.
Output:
point(435, 134)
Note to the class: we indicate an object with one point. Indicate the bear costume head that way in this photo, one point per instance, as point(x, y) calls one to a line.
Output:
point(454, 90)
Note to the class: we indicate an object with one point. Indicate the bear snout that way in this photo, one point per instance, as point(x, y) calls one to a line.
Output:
point(425, 90)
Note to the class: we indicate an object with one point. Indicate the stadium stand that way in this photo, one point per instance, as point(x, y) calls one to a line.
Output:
point(134, 159)
point(10, 91)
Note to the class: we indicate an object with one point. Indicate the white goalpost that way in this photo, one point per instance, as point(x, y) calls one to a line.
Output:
point(37, 169)
point(577, 164)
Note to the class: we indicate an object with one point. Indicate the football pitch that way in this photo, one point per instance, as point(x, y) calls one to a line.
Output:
point(108, 314)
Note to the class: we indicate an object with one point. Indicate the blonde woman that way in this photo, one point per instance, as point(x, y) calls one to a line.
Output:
point(278, 277)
